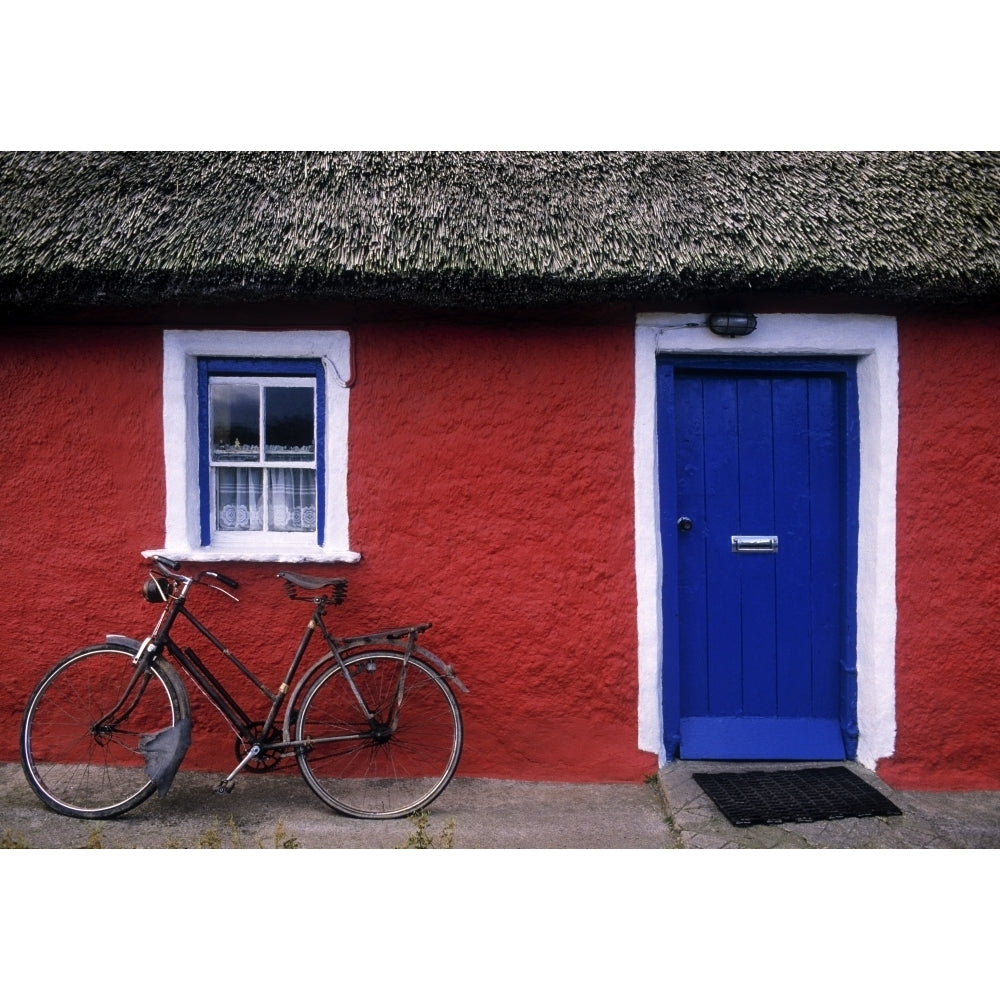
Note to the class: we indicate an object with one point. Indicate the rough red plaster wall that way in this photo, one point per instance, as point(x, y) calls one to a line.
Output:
point(948, 571)
point(490, 492)
point(82, 472)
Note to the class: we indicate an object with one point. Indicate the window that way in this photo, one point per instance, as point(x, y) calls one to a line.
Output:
point(255, 440)
point(261, 469)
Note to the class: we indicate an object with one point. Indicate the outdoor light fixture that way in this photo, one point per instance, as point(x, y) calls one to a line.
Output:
point(732, 324)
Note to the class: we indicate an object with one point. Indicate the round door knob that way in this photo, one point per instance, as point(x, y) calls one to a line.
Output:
point(684, 524)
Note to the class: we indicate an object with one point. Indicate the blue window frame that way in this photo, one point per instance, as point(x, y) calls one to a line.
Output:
point(261, 448)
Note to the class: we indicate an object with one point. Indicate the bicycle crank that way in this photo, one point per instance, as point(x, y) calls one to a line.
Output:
point(264, 760)
point(229, 781)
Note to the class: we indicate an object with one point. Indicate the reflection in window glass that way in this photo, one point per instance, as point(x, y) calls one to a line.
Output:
point(288, 424)
point(235, 422)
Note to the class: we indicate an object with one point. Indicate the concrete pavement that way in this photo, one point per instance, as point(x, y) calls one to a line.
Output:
point(929, 820)
point(667, 811)
point(266, 810)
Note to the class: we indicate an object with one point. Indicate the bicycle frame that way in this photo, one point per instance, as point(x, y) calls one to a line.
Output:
point(262, 741)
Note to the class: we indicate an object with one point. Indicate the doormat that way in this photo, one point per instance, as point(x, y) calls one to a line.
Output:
point(750, 798)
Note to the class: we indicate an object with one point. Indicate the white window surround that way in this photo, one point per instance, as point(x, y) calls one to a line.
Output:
point(181, 351)
point(873, 341)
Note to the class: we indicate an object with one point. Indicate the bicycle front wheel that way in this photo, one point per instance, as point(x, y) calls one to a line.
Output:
point(81, 730)
point(393, 763)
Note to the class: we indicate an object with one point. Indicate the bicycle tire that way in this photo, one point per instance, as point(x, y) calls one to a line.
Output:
point(76, 771)
point(378, 775)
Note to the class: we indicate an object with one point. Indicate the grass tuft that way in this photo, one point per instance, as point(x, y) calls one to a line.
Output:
point(422, 839)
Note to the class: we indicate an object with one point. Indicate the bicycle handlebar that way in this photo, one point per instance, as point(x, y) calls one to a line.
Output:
point(172, 568)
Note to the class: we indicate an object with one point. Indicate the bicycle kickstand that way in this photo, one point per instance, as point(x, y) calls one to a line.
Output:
point(227, 784)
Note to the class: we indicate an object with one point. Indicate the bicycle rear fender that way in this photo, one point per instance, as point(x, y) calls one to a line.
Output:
point(394, 639)
point(403, 639)
point(446, 670)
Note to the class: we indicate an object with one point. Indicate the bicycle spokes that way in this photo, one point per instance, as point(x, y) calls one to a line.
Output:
point(77, 753)
point(394, 755)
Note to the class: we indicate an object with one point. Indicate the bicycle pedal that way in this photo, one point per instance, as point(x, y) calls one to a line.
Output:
point(224, 787)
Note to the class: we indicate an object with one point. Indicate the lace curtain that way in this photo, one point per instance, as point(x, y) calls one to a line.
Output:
point(290, 502)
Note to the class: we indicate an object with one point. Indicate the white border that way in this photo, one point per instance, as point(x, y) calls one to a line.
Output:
point(181, 350)
point(873, 341)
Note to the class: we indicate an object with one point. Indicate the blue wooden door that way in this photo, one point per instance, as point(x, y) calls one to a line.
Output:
point(758, 487)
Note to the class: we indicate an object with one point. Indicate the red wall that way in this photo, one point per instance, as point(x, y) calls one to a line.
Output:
point(490, 491)
point(948, 567)
point(82, 478)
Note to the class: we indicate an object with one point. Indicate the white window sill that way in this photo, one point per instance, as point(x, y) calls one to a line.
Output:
point(218, 554)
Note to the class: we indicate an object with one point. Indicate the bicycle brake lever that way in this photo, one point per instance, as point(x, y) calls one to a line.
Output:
point(212, 586)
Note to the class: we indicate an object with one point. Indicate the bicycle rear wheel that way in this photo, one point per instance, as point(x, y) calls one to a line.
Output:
point(375, 769)
point(94, 772)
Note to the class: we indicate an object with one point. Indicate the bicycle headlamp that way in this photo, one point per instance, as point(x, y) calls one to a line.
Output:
point(156, 591)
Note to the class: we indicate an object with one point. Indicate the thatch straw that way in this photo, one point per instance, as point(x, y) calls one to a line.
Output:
point(494, 229)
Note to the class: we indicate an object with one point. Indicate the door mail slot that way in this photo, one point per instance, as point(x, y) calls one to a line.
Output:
point(755, 543)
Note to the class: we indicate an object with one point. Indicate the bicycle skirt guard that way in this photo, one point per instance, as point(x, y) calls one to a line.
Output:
point(164, 751)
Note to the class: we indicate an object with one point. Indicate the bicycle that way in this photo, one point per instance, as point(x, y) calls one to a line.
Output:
point(373, 725)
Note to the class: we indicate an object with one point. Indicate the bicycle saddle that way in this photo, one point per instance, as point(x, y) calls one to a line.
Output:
point(337, 584)
point(313, 582)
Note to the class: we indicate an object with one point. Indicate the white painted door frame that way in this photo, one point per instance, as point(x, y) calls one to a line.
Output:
point(873, 341)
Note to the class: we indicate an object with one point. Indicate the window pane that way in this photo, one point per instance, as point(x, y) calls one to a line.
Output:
point(289, 433)
point(238, 501)
point(292, 505)
point(235, 417)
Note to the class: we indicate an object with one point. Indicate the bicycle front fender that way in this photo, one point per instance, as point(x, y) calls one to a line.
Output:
point(124, 640)
point(164, 750)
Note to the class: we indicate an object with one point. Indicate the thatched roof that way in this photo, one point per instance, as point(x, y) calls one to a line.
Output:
point(494, 229)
